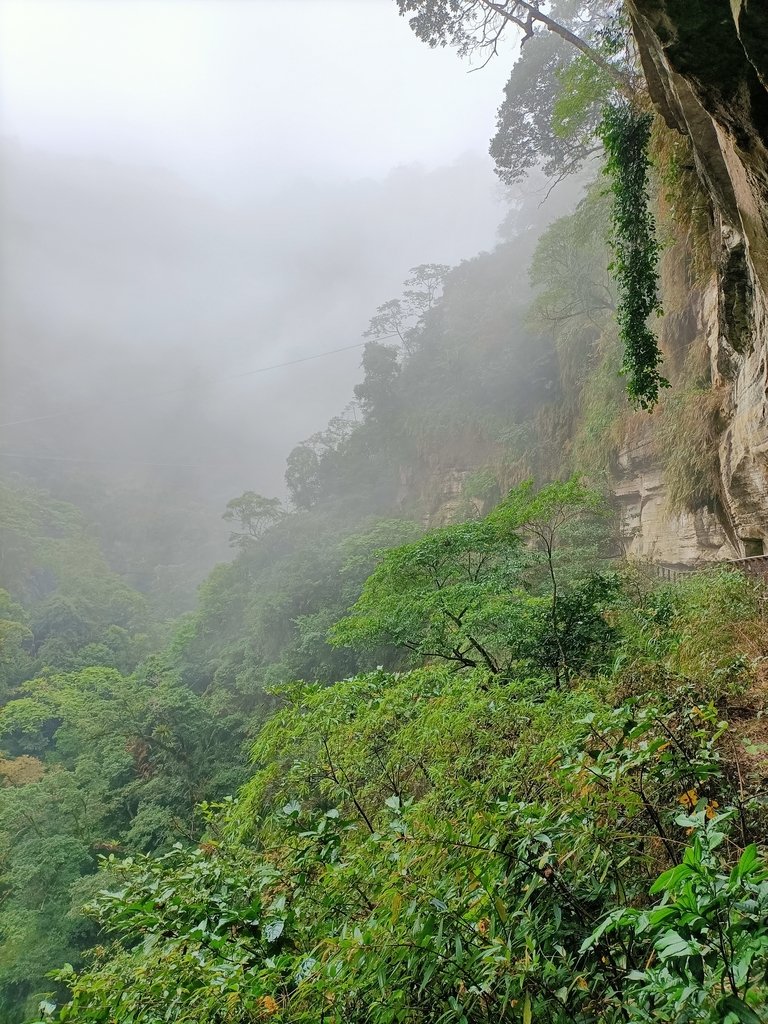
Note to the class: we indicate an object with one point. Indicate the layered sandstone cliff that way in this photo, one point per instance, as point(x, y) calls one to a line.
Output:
point(706, 62)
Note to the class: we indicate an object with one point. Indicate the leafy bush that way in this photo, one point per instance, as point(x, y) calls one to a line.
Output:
point(348, 905)
point(455, 845)
point(514, 589)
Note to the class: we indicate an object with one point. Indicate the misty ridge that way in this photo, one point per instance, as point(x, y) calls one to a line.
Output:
point(138, 284)
point(383, 532)
point(135, 308)
point(122, 282)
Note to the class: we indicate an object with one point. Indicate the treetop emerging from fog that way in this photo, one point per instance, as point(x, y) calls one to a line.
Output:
point(573, 56)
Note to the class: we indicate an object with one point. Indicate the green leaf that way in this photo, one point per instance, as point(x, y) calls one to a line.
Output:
point(735, 1005)
point(273, 930)
point(429, 970)
point(501, 910)
point(669, 879)
point(527, 1010)
point(672, 944)
point(748, 860)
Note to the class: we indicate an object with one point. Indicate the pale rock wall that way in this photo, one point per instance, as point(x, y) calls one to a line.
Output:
point(445, 504)
point(744, 446)
point(706, 62)
point(649, 528)
point(651, 531)
point(736, 521)
point(439, 489)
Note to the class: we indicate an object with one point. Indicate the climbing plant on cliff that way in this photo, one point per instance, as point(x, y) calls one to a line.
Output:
point(625, 133)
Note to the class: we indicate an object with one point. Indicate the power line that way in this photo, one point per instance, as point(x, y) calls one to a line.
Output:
point(133, 462)
point(181, 390)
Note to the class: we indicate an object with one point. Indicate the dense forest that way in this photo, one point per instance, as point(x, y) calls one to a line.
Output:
point(427, 746)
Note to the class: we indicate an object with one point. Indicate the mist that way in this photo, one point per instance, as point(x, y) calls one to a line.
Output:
point(382, 473)
point(127, 292)
point(183, 204)
point(202, 204)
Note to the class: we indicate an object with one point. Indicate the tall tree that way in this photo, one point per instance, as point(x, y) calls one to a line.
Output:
point(573, 56)
point(478, 25)
point(516, 587)
point(403, 318)
point(254, 513)
point(377, 394)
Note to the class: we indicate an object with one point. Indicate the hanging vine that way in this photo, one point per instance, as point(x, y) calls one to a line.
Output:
point(625, 133)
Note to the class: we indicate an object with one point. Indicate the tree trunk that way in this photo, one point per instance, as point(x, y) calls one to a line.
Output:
point(622, 82)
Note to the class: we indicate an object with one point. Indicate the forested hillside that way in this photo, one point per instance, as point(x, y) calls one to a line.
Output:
point(431, 747)
point(138, 718)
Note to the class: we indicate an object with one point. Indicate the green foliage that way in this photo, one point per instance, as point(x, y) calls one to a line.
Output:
point(583, 89)
point(574, 58)
point(91, 758)
point(482, 485)
point(473, 595)
point(77, 611)
point(378, 391)
point(708, 933)
point(16, 645)
point(440, 847)
point(432, 597)
point(470, 840)
point(454, 393)
point(602, 413)
point(539, 121)
point(404, 318)
point(430, 734)
point(625, 133)
point(466, 369)
point(263, 618)
point(699, 633)
point(302, 477)
point(568, 269)
point(161, 539)
point(119, 763)
point(576, 303)
point(254, 513)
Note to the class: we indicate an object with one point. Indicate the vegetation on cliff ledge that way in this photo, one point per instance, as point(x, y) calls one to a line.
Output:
point(461, 842)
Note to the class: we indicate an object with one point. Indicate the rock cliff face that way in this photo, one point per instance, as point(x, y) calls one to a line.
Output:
point(706, 62)
point(651, 530)
point(649, 527)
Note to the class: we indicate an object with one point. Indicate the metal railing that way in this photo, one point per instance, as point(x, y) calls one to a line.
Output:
point(754, 565)
point(671, 574)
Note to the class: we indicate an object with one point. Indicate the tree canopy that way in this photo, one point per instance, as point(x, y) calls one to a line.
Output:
point(477, 595)
point(254, 513)
point(573, 58)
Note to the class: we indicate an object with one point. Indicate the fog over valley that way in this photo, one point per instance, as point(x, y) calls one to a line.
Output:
point(383, 512)
point(182, 203)
point(125, 292)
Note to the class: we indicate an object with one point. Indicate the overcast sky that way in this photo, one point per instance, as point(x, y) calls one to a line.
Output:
point(228, 91)
point(191, 189)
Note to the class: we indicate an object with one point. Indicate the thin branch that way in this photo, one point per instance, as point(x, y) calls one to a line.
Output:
point(622, 81)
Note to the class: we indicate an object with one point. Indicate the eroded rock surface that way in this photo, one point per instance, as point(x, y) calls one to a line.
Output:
point(706, 62)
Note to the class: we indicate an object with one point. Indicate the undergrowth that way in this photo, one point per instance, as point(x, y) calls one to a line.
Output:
point(600, 429)
point(458, 848)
